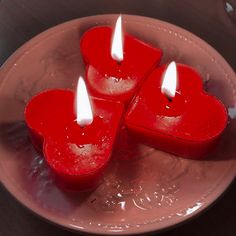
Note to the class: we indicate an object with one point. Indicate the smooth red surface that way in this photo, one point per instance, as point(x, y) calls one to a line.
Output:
point(105, 77)
point(76, 155)
point(189, 126)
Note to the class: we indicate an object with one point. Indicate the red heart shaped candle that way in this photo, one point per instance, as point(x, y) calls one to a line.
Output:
point(113, 78)
point(187, 125)
point(77, 155)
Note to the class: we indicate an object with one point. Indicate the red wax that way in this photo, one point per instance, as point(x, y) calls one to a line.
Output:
point(77, 156)
point(190, 125)
point(105, 77)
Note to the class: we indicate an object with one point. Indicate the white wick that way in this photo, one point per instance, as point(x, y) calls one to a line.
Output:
point(83, 107)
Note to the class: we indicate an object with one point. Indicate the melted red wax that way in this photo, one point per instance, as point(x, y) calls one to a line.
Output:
point(77, 155)
point(188, 126)
point(109, 79)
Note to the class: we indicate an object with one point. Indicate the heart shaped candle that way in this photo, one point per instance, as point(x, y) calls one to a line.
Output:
point(187, 123)
point(76, 154)
point(115, 66)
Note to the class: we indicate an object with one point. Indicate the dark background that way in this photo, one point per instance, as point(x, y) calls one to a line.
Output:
point(20, 20)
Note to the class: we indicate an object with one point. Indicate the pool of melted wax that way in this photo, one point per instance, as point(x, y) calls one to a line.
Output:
point(110, 85)
point(117, 85)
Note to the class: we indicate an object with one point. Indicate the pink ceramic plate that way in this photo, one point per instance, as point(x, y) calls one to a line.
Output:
point(157, 190)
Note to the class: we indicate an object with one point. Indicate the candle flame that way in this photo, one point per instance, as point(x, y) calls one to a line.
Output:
point(83, 107)
point(169, 82)
point(117, 52)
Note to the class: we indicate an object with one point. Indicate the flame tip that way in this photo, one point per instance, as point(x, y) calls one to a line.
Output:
point(84, 114)
point(117, 42)
point(169, 83)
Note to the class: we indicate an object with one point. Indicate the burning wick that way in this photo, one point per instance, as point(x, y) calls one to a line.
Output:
point(117, 52)
point(169, 83)
point(84, 114)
